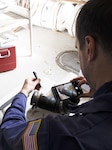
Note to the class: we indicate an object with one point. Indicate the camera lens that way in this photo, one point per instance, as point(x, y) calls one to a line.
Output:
point(42, 101)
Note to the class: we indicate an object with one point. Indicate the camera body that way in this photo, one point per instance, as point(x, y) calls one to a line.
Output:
point(64, 100)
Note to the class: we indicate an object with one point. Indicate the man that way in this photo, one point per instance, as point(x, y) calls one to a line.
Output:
point(90, 127)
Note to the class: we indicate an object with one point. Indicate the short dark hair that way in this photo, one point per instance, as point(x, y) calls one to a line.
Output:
point(95, 19)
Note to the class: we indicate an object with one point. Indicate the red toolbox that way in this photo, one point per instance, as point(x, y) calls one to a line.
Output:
point(7, 59)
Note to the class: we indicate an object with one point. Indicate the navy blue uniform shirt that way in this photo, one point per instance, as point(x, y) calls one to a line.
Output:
point(89, 129)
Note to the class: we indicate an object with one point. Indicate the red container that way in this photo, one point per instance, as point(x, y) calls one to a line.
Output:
point(7, 59)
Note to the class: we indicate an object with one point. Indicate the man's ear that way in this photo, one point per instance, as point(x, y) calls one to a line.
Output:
point(90, 44)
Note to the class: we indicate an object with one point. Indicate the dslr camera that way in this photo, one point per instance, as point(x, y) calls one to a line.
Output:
point(64, 99)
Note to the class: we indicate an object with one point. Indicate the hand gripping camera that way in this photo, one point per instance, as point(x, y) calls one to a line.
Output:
point(64, 100)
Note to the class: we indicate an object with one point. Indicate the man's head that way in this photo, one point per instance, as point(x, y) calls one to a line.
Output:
point(95, 19)
point(94, 35)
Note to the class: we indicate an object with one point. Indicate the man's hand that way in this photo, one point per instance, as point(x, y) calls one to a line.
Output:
point(29, 85)
point(81, 80)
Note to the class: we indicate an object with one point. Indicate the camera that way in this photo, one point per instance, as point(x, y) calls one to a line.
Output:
point(64, 99)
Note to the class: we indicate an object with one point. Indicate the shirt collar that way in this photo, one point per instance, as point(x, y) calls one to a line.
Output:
point(106, 88)
point(98, 104)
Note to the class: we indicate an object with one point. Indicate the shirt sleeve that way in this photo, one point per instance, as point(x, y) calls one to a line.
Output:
point(13, 124)
point(15, 114)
